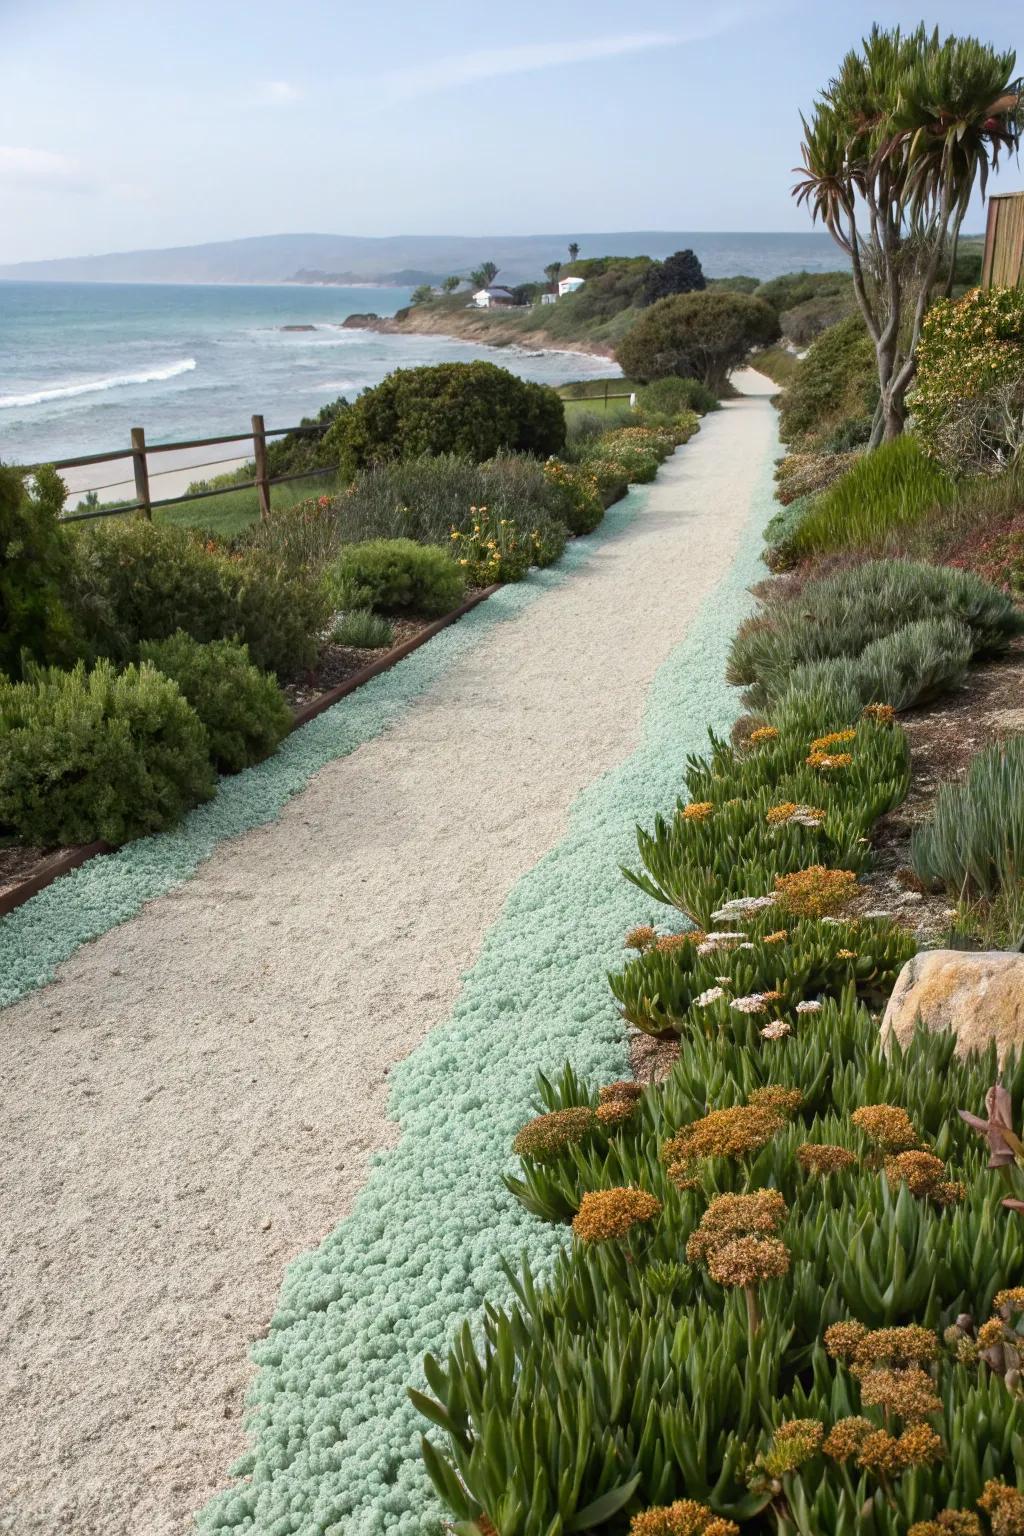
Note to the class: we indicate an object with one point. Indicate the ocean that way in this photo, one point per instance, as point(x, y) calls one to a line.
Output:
point(82, 363)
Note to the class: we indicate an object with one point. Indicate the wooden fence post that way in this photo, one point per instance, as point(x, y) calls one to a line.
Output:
point(141, 466)
point(259, 443)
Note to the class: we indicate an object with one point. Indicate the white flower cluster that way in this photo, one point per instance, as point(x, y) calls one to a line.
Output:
point(742, 906)
point(808, 1005)
point(778, 1029)
point(710, 996)
point(718, 941)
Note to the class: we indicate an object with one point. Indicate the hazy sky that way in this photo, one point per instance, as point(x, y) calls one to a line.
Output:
point(128, 123)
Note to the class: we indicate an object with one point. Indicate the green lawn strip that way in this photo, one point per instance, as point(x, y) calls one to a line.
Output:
point(335, 1440)
point(39, 936)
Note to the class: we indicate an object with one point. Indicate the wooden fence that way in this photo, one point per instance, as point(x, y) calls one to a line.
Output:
point(140, 451)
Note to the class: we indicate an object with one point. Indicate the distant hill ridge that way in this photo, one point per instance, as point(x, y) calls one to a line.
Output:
point(403, 260)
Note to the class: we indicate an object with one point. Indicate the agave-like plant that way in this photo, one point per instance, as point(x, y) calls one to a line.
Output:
point(892, 152)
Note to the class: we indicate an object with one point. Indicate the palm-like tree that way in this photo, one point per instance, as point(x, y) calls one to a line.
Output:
point(891, 155)
point(574, 251)
point(485, 274)
point(551, 272)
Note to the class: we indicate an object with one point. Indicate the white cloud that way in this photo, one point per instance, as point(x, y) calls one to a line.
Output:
point(486, 63)
point(281, 91)
point(38, 168)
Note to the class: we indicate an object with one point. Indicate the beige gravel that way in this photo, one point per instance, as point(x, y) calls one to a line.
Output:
point(194, 1101)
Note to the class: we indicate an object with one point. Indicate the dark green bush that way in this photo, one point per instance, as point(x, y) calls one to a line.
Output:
point(97, 755)
point(836, 382)
point(696, 335)
point(841, 614)
point(33, 572)
point(397, 576)
point(244, 711)
point(135, 581)
point(470, 409)
point(973, 843)
point(671, 396)
point(679, 273)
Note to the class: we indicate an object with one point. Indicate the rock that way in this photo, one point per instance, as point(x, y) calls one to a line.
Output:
point(978, 997)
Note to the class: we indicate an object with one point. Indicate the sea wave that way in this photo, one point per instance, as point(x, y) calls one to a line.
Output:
point(93, 386)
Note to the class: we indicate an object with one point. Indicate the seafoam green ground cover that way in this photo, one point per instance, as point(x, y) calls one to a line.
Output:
point(335, 1440)
point(47, 930)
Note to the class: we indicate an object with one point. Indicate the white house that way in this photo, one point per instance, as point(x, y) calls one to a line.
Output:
point(549, 298)
point(570, 285)
point(487, 298)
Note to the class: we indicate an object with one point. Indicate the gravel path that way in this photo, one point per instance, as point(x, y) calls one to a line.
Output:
point(195, 1100)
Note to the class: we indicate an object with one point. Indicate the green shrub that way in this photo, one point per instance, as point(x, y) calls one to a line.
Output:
point(576, 495)
point(672, 396)
point(967, 404)
point(33, 572)
point(397, 576)
point(973, 843)
point(841, 614)
point(97, 755)
point(804, 474)
point(490, 549)
point(472, 410)
point(882, 493)
point(549, 537)
point(914, 664)
point(696, 335)
point(244, 711)
point(135, 581)
point(837, 381)
point(425, 498)
point(302, 538)
point(364, 629)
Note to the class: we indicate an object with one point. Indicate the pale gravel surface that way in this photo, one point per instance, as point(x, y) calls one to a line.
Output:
point(194, 1101)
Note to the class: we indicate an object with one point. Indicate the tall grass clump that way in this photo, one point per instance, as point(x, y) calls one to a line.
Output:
point(913, 665)
point(892, 488)
point(425, 498)
point(973, 842)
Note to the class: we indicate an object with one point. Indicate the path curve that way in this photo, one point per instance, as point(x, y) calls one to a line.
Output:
point(195, 1100)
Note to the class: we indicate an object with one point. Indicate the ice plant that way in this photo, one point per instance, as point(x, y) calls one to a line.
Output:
point(611, 1213)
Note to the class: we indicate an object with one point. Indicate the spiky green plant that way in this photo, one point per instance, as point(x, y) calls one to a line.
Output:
point(973, 842)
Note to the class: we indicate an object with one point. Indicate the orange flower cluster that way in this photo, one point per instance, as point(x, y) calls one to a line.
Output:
point(730, 1218)
point(1004, 1507)
point(822, 1159)
point(616, 1103)
point(815, 892)
point(735, 1132)
point(888, 1126)
point(826, 760)
point(762, 734)
point(924, 1174)
point(863, 1348)
point(641, 938)
point(875, 1450)
point(880, 714)
point(683, 1518)
point(951, 1522)
point(698, 810)
point(544, 1137)
point(610, 1213)
point(833, 739)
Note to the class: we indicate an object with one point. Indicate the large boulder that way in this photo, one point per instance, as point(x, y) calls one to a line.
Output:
point(977, 997)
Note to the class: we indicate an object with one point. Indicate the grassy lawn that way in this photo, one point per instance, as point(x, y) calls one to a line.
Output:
point(231, 511)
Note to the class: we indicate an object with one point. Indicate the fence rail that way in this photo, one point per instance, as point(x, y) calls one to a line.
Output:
point(140, 451)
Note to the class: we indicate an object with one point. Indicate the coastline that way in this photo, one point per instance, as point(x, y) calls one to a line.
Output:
point(464, 325)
